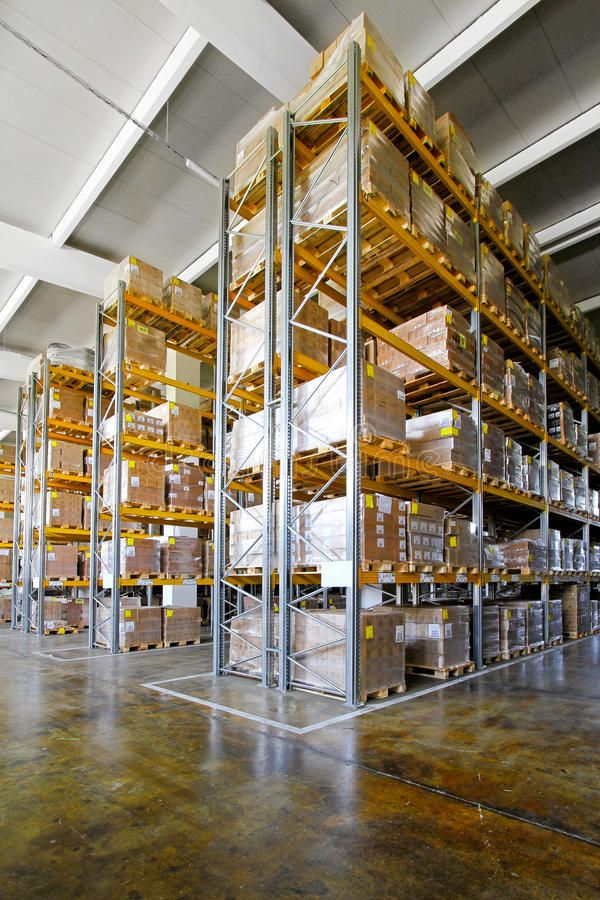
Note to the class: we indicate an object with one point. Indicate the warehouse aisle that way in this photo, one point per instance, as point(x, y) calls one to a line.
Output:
point(484, 788)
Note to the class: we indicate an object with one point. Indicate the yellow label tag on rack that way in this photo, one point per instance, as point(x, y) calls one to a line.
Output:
point(485, 428)
point(484, 340)
point(132, 463)
point(171, 540)
point(444, 615)
point(61, 630)
point(130, 323)
point(143, 329)
point(369, 632)
point(127, 613)
point(414, 508)
point(370, 42)
point(370, 370)
point(169, 613)
point(369, 501)
point(54, 494)
point(88, 499)
point(130, 542)
point(303, 604)
point(448, 318)
point(411, 78)
point(453, 540)
point(509, 443)
point(450, 431)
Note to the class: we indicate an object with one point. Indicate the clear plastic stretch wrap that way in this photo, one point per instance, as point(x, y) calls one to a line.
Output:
point(554, 481)
point(579, 548)
point(534, 619)
point(513, 229)
point(533, 254)
point(554, 550)
point(427, 212)
point(420, 109)
point(555, 621)
point(533, 326)
point(460, 244)
point(567, 488)
point(582, 438)
point(594, 448)
point(142, 481)
point(491, 631)
point(181, 555)
point(516, 387)
point(524, 553)
point(144, 346)
point(561, 363)
point(561, 424)
point(530, 468)
point(137, 556)
point(184, 485)
point(513, 626)
point(493, 291)
point(595, 503)
point(135, 423)
point(576, 609)
point(595, 557)
point(492, 367)
point(567, 554)
point(593, 391)
point(515, 308)
point(514, 463)
point(578, 369)
point(63, 510)
point(437, 637)
point(536, 400)
point(443, 438)
point(62, 457)
point(181, 424)
point(492, 555)
point(493, 456)
point(451, 137)
point(579, 488)
point(461, 544)
point(490, 203)
point(441, 334)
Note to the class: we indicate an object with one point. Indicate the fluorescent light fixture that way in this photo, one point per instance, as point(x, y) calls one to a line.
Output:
point(575, 239)
point(466, 44)
point(4, 434)
point(16, 299)
point(201, 173)
point(169, 76)
point(569, 133)
point(589, 304)
point(570, 225)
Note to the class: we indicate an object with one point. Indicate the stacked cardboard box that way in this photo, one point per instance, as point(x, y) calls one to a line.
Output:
point(524, 553)
point(493, 455)
point(567, 554)
point(427, 212)
point(594, 448)
point(140, 626)
point(182, 298)
point(208, 559)
point(63, 510)
point(141, 279)
point(593, 391)
point(493, 291)
point(7, 454)
point(492, 367)
point(55, 615)
point(185, 487)
point(246, 442)
point(424, 532)
point(490, 204)
point(78, 613)
point(7, 489)
point(66, 404)
point(437, 637)
point(594, 557)
point(182, 424)
point(64, 457)
point(458, 150)
point(491, 631)
point(579, 555)
point(554, 550)
point(245, 538)
point(323, 410)
point(513, 624)
point(594, 503)
point(181, 556)
point(7, 521)
point(89, 408)
point(576, 609)
point(554, 493)
point(582, 438)
point(6, 558)
point(533, 326)
point(247, 338)
point(536, 401)
point(250, 149)
point(442, 334)
point(579, 377)
point(561, 424)
point(514, 463)
point(144, 347)
point(555, 622)
point(516, 387)
point(531, 473)
point(137, 556)
point(337, 328)
point(567, 488)
point(513, 229)
point(460, 244)
point(60, 561)
point(534, 620)
point(461, 547)
point(533, 254)
point(142, 482)
point(181, 624)
point(5, 608)
point(595, 609)
point(135, 424)
point(515, 308)
point(560, 362)
point(420, 110)
point(444, 438)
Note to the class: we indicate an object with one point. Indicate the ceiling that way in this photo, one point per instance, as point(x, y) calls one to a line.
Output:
point(536, 75)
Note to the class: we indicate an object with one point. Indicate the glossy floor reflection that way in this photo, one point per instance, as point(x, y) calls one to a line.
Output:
point(484, 789)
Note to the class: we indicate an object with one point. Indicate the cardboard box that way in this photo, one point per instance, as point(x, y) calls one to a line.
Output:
point(437, 637)
point(516, 387)
point(451, 137)
point(530, 468)
point(533, 254)
point(513, 229)
point(60, 561)
point(576, 609)
point(182, 298)
point(593, 391)
point(460, 244)
point(461, 546)
point(64, 510)
point(561, 363)
point(144, 347)
point(441, 334)
point(5, 609)
point(427, 212)
point(181, 556)
point(135, 424)
point(490, 204)
point(7, 489)
point(55, 614)
point(493, 454)
point(141, 279)
point(444, 438)
point(533, 326)
point(491, 631)
point(64, 457)
point(567, 488)
point(593, 448)
point(536, 401)
point(514, 463)
point(181, 624)
point(492, 367)
point(140, 626)
point(142, 482)
point(513, 624)
point(555, 623)
point(493, 290)
point(138, 556)
point(185, 487)
point(250, 149)
point(181, 424)
point(420, 109)
point(6, 561)
point(66, 404)
point(78, 613)
point(7, 521)
point(554, 492)
point(524, 553)
point(515, 308)
point(208, 559)
point(561, 424)
point(534, 620)
point(424, 531)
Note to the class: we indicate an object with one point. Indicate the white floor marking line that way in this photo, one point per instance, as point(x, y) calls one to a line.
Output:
point(334, 720)
point(49, 654)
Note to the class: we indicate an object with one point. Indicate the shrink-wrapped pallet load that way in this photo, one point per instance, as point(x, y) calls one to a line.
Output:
point(555, 622)
point(492, 367)
point(576, 609)
point(139, 626)
point(533, 326)
point(493, 290)
point(490, 205)
point(513, 625)
point(554, 550)
point(64, 510)
point(7, 521)
point(181, 555)
point(65, 404)
point(534, 620)
point(424, 526)
point(7, 489)
point(181, 624)
point(515, 309)
point(135, 424)
point(461, 544)
point(420, 109)
point(491, 631)
point(533, 254)
point(182, 424)
point(536, 401)
point(142, 482)
point(141, 279)
point(184, 487)
point(437, 637)
point(460, 245)
point(182, 298)
point(561, 424)
point(493, 454)
point(60, 561)
point(516, 387)
point(458, 149)
point(446, 438)
point(6, 560)
point(530, 468)
point(514, 463)
point(513, 229)
point(427, 213)
point(63, 457)
point(144, 347)
point(137, 556)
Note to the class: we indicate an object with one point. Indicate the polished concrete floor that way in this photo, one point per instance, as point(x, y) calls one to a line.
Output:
point(489, 788)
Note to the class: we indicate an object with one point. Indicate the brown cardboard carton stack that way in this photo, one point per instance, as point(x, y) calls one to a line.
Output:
point(593, 391)
point(322, 408)
point(567, 488)
point(533, 254)
point(140, 626)
point(182, 298)
point(530, 468)
point(144, 347)
point(533, 326)
point(492, 367)
point(513, 624)
point(208, 311)
point(579, 379)
point(461, 545)
point(490, 205)
point(61, 561)
point(89, 408)
point(460, 245)
point(427, 212)
point(555, 621)
point(7, 454)
point(561, 363)
point(141, 280)
point(65, 457)
point(513, 229)
point(142, 482)
point(181, 624)
point(181, 556)
point(524, 553)
point(420, 109)
point(451, 137)
point(491, 631)
point(250, 149)
point(135, 424)
point(534, 620)
point(515, 308)
point(182, 424)
point(66, 404)
point(594, 448)
point(493, 454)
point(576, 609)
point(516, 387)
point(536, 401)
point(424, 532)
point(185, 487)
point(493, 291)
point(63, 510)
point(7, 489)
point(208, 559)
point(5, 609)
point(561, 424)
point(437, 637)
point(7, 521)
point(447, 438)
point(137, 556)
point(78, 613)
point(55, 615)
point(6, 558)
point(442, 334)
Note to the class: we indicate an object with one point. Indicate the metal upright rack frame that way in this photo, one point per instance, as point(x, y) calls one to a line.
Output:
point(21, 433)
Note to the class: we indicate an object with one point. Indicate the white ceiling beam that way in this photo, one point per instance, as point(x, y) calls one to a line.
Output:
point(178, 64)
point(571, 225)
point(253, 35)
point(574, 239)
point(13, 366)
point(470, 41)
point(558, 140)
point(590, 304)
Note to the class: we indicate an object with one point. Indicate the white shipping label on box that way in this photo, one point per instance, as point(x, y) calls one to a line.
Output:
point(135, 481)
point(434, 632)
point(51, 556)
point(448, 630)
point(55, 512)
point(399, 634)
point(4, 551)
point(129, 626)
point(129, 551)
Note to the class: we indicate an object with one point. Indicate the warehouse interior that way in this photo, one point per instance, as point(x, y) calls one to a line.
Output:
point(300, 447)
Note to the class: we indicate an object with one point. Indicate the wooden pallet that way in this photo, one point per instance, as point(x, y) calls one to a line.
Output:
point(383, 693)
point(574, 635)
point(193, 511)
point(513, 654)
point(534, 648)
point(441, 673)
point(556, 642)
point(488, 660)
point(62, 629)
point(155, 645)
point(188, 643)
